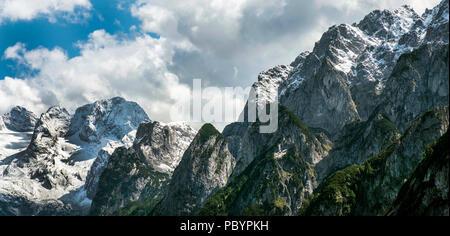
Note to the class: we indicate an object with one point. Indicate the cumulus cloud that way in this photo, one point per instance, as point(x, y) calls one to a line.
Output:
point(108, 66)
point(16, 92)
point(14, 10)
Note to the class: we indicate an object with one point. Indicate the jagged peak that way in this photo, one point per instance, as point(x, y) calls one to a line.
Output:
point(300, 59)
point(55, 110)
point(19, 109)
point(115, 117)
point(146, 125)
point(274, 72)
point(114, 100)
point(206, 132)
point(20, 119)
point(389, 24)
point(53, 123)
point(110, 102)
point(438, 15)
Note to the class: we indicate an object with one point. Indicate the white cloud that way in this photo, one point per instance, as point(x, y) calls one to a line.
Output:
point(15, 52)
point(107, 67)
point(16, 92)
point(14, 10)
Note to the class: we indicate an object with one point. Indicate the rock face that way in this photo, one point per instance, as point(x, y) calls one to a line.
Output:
point(162, 146)
point(268, 82)
point(279, 178)
point(371, 188)
point(426, 192)
point(101, 163)
point(47, 149)
point(359, 142)
point(19, 119)
point(126, 179)
point(324, 101)
point(418, 82)
point(205, 167)
point(15, 205)
point(115, 117)
point(142, 171)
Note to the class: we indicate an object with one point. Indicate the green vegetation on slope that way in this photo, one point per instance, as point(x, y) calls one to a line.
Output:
point(138, 208)
point(423, 193)
point(206, 132)
point(258, 190)
point(371, 188)
point(338, 194)
point(261, 188)
point(117, 182)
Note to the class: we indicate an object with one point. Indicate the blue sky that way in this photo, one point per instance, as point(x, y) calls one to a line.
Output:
point(64, 34)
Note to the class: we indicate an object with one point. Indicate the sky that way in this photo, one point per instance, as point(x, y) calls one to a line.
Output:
point(73, 52)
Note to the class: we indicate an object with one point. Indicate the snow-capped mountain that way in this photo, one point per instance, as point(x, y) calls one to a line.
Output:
point(143, 169)
point(15, 131)
point(19, 119)
point(344, 78)
point(107, 118)
point(55, 164)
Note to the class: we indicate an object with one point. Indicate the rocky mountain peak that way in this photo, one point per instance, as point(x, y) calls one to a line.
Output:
point(300, 59)
point(20, 119)
point(205, 167)
point(53, 124)
point(114, 117)
point(436, 21)
point(162, 145)
point(437, 15)
point(145, 167)
point(268, 82)
point(387, 24)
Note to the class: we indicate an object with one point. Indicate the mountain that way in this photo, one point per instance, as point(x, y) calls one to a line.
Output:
point(371, 188)
point(426, 192)
point(360, 88)
point(418, 82)
point(107, 118)
point(11, 140)
point(19, 119)
point(278, 178)
point(54, 166)
point(143, 171)
point(348, 74)
point(204, 168)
